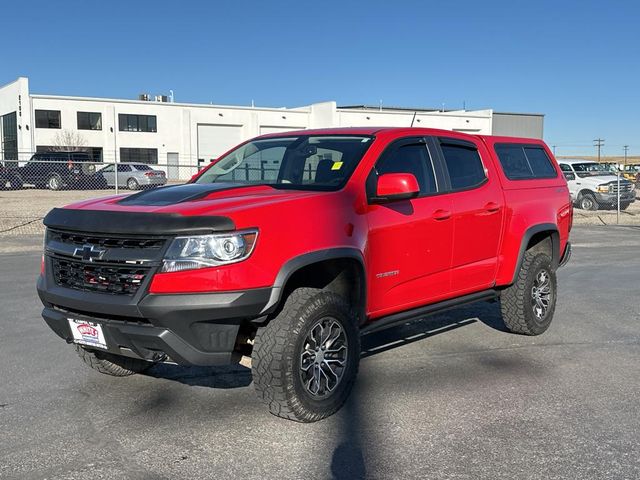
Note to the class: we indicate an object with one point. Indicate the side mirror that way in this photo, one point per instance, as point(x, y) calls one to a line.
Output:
point(396, 186)
point(569, 176)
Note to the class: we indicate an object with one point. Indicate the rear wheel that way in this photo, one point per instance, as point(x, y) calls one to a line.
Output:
point(588, 202)
point(305, 360)
point(114, 365)
point(54, 182)
point(132, 184)
point(529, 304)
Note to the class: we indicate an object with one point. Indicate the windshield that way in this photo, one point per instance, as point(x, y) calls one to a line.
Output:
point(590, 169)
point(303, 162)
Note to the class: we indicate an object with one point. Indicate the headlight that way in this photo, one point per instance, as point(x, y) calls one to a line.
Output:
point(200, 251)
point(602, 188)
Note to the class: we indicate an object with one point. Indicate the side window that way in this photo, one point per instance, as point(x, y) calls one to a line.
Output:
point(463, 164)
point(565, 168)
point(524, 162)
point(414, 159)
point(124, 168)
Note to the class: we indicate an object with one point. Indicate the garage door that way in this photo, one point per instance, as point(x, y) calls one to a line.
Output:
point(214, 140)
point(264, 129)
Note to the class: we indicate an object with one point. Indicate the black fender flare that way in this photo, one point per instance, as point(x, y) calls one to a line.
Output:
point(528, 235)
point(306, 259)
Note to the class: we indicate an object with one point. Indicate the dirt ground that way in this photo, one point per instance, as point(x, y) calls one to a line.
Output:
point(21, 211)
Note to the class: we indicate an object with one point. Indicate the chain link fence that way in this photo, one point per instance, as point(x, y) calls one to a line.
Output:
point(34, 183)
point(31, 187)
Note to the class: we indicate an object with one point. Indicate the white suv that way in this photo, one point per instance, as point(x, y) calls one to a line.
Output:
point(594, 186)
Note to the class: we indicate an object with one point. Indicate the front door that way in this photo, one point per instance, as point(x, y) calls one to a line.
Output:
point(410, 241)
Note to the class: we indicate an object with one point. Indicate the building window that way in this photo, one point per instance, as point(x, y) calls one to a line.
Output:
point(9, 140)
point(89, 121)
point(137, 123)
point(139, 155)
point(47, 118)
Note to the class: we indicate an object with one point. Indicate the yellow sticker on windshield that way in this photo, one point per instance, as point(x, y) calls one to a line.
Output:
point(337, 165)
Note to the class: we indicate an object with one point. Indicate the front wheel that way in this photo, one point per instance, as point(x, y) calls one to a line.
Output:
point(588, 202)
point(528, 305)
point(305, 360)
point(110, 364)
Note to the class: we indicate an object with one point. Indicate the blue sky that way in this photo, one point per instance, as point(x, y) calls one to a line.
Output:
point(577, 62)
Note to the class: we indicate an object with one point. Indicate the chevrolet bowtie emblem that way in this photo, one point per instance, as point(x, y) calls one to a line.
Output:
point(89, 253)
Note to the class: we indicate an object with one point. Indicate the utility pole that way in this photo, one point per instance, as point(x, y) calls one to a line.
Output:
point(598, 143)
point(626, 149)
point(554, 149)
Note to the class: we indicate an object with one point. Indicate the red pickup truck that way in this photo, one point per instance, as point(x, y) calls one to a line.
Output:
point(292, 245)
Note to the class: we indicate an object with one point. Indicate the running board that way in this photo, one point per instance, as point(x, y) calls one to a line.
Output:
point(417, 313)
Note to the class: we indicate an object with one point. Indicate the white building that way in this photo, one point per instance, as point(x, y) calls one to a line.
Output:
point(175, 134)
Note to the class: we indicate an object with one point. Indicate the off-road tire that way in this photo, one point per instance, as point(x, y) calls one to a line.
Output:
point(516, 300)
point(114, 365)
point(132, 184)
point(277, 350)
point(588, 202)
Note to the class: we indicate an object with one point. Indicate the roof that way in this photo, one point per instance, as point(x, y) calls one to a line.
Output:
point(363, 131)
point(427, 109)
point(571, 161)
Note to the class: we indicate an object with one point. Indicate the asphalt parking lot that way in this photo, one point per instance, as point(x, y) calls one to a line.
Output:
point(447, 397)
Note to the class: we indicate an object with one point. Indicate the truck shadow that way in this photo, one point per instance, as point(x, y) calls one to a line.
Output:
point(238, 376)
point(415, 330)
point(222, 377)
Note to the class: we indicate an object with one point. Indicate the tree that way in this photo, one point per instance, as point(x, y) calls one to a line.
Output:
point(68, 141)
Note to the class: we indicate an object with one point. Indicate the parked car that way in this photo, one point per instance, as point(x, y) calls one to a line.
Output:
point(593, 185)
point(292, 245)
point(133, 176)
point(58, 170)
point(9, 178)
point(631, 173)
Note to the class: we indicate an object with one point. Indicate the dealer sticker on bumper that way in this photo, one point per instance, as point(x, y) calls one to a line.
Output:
point(87, 333)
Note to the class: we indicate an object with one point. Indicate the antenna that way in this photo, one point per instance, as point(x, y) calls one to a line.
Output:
point(414, 117)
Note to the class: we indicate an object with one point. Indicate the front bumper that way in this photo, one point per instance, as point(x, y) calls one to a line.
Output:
point(188, 329)
point(612, 198)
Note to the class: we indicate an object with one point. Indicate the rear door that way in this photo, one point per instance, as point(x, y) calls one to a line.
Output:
point(410, 241)
point(478, 210)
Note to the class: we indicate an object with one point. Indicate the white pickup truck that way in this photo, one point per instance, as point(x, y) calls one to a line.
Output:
point(593, 186)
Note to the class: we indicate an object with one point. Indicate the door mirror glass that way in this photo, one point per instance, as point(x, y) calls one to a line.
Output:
point(396, 186)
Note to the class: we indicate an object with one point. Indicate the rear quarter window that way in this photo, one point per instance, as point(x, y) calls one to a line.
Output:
point(525, 162)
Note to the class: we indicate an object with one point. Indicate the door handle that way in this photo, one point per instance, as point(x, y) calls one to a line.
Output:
point(492, 207)
point(441, 214)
